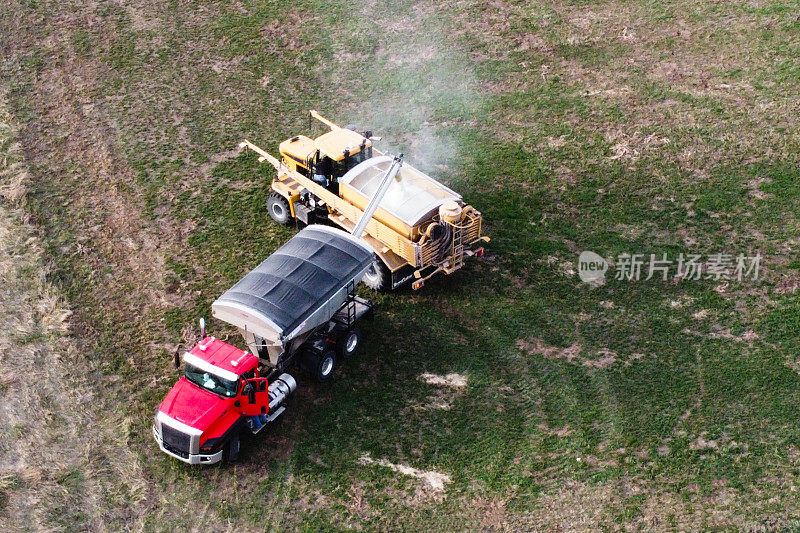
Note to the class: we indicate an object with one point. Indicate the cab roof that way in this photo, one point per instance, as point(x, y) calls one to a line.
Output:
point(224, 356)
point(334, 142)
point(300, 146)
point(331, 144)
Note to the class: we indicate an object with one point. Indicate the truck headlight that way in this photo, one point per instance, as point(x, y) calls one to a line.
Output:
point(210, 446)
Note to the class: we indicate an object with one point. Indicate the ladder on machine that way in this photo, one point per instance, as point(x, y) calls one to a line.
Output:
point(351, 303)
point(348, 312)
point(456, 249)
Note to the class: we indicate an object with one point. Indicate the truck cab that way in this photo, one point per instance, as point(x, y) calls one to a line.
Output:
point(328, 157)
point(220, 393)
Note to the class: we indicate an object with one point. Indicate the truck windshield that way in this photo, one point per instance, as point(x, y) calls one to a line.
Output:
point(340, 168)
point(211, 382)
point(360, 157)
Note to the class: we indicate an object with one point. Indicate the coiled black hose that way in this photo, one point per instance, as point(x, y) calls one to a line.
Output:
point(444, 241)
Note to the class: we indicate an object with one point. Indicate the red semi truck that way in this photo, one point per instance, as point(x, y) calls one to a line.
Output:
point(297, 307)
point(220, 394)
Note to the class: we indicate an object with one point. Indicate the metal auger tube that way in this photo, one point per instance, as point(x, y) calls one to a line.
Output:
point(366, 216)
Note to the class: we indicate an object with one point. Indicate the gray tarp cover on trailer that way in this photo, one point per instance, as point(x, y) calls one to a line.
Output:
point(302, 275)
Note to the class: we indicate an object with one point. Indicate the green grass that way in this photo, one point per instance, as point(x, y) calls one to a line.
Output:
point(581, 141)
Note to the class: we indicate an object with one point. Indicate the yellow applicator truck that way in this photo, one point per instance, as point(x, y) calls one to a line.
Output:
point(420, 228)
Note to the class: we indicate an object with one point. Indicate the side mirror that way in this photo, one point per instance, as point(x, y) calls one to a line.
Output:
point(176, 358)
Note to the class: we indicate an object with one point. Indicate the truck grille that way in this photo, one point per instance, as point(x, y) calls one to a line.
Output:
point(175, 441)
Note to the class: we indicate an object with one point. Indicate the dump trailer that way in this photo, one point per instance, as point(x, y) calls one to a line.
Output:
point(420, 228)
point(297, 308)
point(300, 298)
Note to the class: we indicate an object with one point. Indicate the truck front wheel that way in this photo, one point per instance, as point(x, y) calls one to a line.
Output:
point(378, 276)
point(278, 208)
point(232, 449)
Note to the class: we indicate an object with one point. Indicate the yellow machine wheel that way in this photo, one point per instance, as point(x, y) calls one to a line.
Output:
point(378, 277)
point(278, 208)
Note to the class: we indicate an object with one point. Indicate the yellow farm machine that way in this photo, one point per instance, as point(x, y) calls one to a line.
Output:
point(417, 226)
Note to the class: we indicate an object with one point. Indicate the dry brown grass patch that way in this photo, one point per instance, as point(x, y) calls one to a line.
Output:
point(283, 34)
point(449, 388)
point(574, 354)
point(45, 448)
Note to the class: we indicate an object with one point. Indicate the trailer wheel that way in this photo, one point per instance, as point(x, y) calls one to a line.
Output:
point(323, 365)
point(348, 343)
point(232, 449)
point(378, 276)
point(278, 208)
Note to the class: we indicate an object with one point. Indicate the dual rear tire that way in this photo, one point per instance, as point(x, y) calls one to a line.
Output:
point(322, 364)
point(348, 343)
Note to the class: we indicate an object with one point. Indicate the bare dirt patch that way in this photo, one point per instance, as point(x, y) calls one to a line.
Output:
point(435, 481)
point(575, 354)
point(719, 332)
point(754, 186)
point(492, 511)
point(141, 20)
point(536, 345)
point(565, 267)
point(788, 283)
point(284, 34)
point(457, 381)
point(631, 146)
point(451, 387)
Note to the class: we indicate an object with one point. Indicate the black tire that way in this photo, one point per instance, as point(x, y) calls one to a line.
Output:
point(348, 343)
point(278, 208)
point(323, 365)
point(378, 277)
point(232, 449)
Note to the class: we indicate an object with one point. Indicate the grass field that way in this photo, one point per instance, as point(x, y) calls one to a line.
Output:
point(510, 395)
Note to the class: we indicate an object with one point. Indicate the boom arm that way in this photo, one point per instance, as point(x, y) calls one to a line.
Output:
point(324, 120)
point(263, 156)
